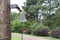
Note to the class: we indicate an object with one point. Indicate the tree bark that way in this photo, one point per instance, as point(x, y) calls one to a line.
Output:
point(5, 29)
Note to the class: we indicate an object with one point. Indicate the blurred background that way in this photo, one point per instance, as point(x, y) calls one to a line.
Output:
point(43, 17)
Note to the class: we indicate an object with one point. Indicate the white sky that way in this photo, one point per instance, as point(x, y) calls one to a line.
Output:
point(19, 3)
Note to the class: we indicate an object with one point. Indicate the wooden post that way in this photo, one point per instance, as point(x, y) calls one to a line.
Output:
point(5, 32)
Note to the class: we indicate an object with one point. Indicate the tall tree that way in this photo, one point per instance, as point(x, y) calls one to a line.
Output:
point(31, 8)
point(49, 10)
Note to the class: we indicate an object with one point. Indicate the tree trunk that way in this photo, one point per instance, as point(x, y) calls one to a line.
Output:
point(5, 32)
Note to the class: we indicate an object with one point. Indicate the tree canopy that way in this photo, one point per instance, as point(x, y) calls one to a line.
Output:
point(50, 9)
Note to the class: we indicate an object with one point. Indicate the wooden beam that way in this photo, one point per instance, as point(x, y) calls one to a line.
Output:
point(5, 29)
point(13, 6)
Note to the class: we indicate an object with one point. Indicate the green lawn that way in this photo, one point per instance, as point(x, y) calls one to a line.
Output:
point(48, 38)
point(15, 38)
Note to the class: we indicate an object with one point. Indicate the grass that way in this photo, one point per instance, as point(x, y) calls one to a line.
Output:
point(51, 38)
point(15, 38)
point(48, 37)
point(45, 37)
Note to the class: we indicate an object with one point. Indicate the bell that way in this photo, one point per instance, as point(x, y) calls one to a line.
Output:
point(22, 17)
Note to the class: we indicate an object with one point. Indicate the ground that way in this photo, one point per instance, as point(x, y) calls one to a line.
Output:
point(14, 38)
point(29, 37)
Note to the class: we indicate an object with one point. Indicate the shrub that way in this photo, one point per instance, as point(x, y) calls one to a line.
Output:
point(16, 26)
point(28, 32)
point(56, 33)
point(25, 31)
point(20, 30)
point(37, 26)
point(41, 32)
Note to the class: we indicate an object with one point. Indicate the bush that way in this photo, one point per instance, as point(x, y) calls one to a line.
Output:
point(37, 26)
point(28, 32)
point(56, 33)
point(41, 32)
point(16, 26)
point(21, 30)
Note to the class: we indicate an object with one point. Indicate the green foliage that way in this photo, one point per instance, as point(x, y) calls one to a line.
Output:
point(16, 25)
point(14, 15)
point(27, 25)
point(55, 20)
point(31, 7)
point(14, 21)
point(31, 2)
point(36, 26)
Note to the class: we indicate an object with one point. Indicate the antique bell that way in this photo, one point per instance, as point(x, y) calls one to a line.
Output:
point(22, 17)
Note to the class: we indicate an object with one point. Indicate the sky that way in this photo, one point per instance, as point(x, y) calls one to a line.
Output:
point(18, 2)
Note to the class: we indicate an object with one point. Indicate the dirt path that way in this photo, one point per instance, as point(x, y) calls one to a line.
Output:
point(28, 37)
